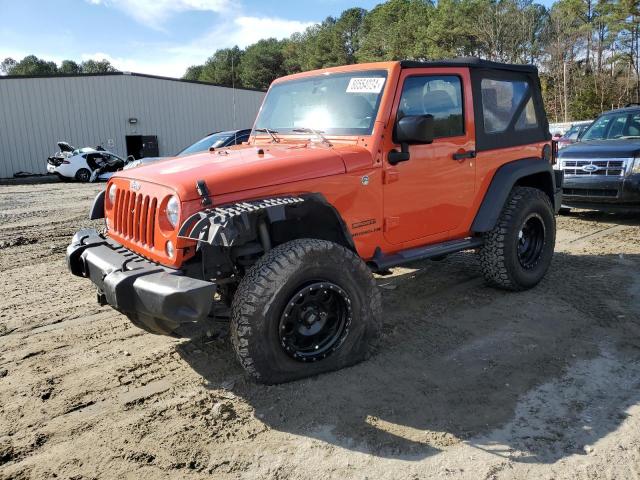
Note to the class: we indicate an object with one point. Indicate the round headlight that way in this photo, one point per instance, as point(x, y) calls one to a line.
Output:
point(173, 207)
point(170, 249)
point(112, 194)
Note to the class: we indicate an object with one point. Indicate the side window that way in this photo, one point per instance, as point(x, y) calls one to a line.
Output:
point(528, 118)
point(633, 129)
point(616, 130)
point(440, 96)
point(500, 100)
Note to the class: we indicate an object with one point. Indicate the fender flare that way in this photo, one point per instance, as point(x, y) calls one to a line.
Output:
point(224, 225)
point(229, 225)
point(97, 209)
point(505, 178)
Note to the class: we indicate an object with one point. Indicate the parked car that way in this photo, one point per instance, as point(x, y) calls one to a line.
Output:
point(351, 170)
point(84, 164)
point(602, 169)
point(573, 134)
point(213, 140)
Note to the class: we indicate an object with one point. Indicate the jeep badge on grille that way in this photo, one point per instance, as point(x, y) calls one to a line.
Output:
point(135, 185)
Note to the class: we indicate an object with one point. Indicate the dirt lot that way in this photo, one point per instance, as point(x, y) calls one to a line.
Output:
point(469, 382)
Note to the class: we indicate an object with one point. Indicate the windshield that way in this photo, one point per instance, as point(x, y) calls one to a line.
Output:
point(215, 140)
point(333, 104)
point(612, 126)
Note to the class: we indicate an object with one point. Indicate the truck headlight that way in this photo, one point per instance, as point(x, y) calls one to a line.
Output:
point(635, 168)
point(173, 209)
point(112, 194)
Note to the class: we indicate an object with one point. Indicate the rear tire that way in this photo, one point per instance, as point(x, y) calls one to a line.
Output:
point(517, 252)
point(83, 175)
point(305, 308)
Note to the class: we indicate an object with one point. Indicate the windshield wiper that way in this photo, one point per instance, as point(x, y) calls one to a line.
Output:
point(317, 133)
point(272, 133)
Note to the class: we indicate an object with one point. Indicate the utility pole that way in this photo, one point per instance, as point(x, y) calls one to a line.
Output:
point(564, 81)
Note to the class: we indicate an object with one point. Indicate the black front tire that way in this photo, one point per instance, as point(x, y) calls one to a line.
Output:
point(269, 288)
point(517, 253)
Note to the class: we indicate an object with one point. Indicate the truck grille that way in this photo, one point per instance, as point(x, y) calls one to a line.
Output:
point(613, 168)
point(590, 192)
point(135, 216)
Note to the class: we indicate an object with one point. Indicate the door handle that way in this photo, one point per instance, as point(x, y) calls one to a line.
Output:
point(462, 155)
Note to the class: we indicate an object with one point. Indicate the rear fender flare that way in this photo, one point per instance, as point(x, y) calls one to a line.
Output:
point(531, 172)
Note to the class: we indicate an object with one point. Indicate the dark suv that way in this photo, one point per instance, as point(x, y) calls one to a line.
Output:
point(602, 170)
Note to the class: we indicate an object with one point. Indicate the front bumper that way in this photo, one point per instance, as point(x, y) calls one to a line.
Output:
point(611, 193)
point(159, 299)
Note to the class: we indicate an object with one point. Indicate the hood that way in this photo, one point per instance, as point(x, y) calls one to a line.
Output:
point(244, 168)
point(143, 161)
point(622, 148)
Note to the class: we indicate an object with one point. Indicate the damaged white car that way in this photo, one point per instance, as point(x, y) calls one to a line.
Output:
point(84, 164)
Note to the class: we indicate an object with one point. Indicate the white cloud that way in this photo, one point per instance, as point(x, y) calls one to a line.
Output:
point(153, 13)
point(174, 61)
point(249, 30)
point(241, 31)
point(167, 67)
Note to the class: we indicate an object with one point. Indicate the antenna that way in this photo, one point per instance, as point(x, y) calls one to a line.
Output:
point(233, 95)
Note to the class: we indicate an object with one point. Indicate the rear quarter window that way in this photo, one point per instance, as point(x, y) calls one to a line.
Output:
point(501, 100)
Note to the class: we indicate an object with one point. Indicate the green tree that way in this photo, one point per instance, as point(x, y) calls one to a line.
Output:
point(450, 30)
point(193, 72)
point(262, 63)
point(223, 67)
point(97, 66)
point(32, 65)
point(69, 67)
point(7, 65)
point(396, 30)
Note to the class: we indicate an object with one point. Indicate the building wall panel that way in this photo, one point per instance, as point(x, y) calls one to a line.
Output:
point(35, 113)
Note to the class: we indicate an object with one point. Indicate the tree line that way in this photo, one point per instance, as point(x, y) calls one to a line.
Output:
point(587, 51)
point(32, 65)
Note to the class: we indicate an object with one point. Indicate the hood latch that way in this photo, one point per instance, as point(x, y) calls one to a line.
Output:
point(203, 191)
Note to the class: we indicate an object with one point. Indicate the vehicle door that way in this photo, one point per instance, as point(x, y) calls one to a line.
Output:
point(430, 194)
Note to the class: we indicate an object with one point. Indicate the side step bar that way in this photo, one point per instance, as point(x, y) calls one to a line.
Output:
point(381, 261)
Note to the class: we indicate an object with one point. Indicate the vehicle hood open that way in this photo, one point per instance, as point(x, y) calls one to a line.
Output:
point(620, 148)
point(242, 168)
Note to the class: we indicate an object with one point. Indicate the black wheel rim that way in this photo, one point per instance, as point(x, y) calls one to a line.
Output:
point(315, 321)
point(83, 175)
point(531, 239)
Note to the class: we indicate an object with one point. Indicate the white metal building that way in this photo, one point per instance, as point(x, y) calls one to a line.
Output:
point(119, 111)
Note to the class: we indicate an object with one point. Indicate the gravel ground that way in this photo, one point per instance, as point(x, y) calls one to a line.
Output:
point(469, 382)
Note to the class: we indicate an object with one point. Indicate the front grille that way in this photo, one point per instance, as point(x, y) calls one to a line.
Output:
point(612, 168)
point(135, 216)
point(591, 192)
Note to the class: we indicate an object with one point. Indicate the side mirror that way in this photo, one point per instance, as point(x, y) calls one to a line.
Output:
point(408, 130)
point(415, 129)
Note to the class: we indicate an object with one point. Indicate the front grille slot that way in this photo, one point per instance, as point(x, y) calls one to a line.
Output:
point(611, 168)
point(135, 216)
point(591, 192)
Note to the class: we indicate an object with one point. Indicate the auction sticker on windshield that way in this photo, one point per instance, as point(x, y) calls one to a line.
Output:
point(365, 85)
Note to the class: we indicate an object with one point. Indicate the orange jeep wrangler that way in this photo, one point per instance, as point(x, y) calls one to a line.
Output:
point(349, 171)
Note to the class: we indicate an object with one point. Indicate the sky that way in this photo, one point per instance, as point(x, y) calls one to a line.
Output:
point(160, 37)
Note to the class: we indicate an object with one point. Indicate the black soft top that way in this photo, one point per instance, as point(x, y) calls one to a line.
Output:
point(471, 62)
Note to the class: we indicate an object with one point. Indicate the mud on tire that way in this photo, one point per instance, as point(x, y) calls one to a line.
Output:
point(517, 252)
point(287, 290)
